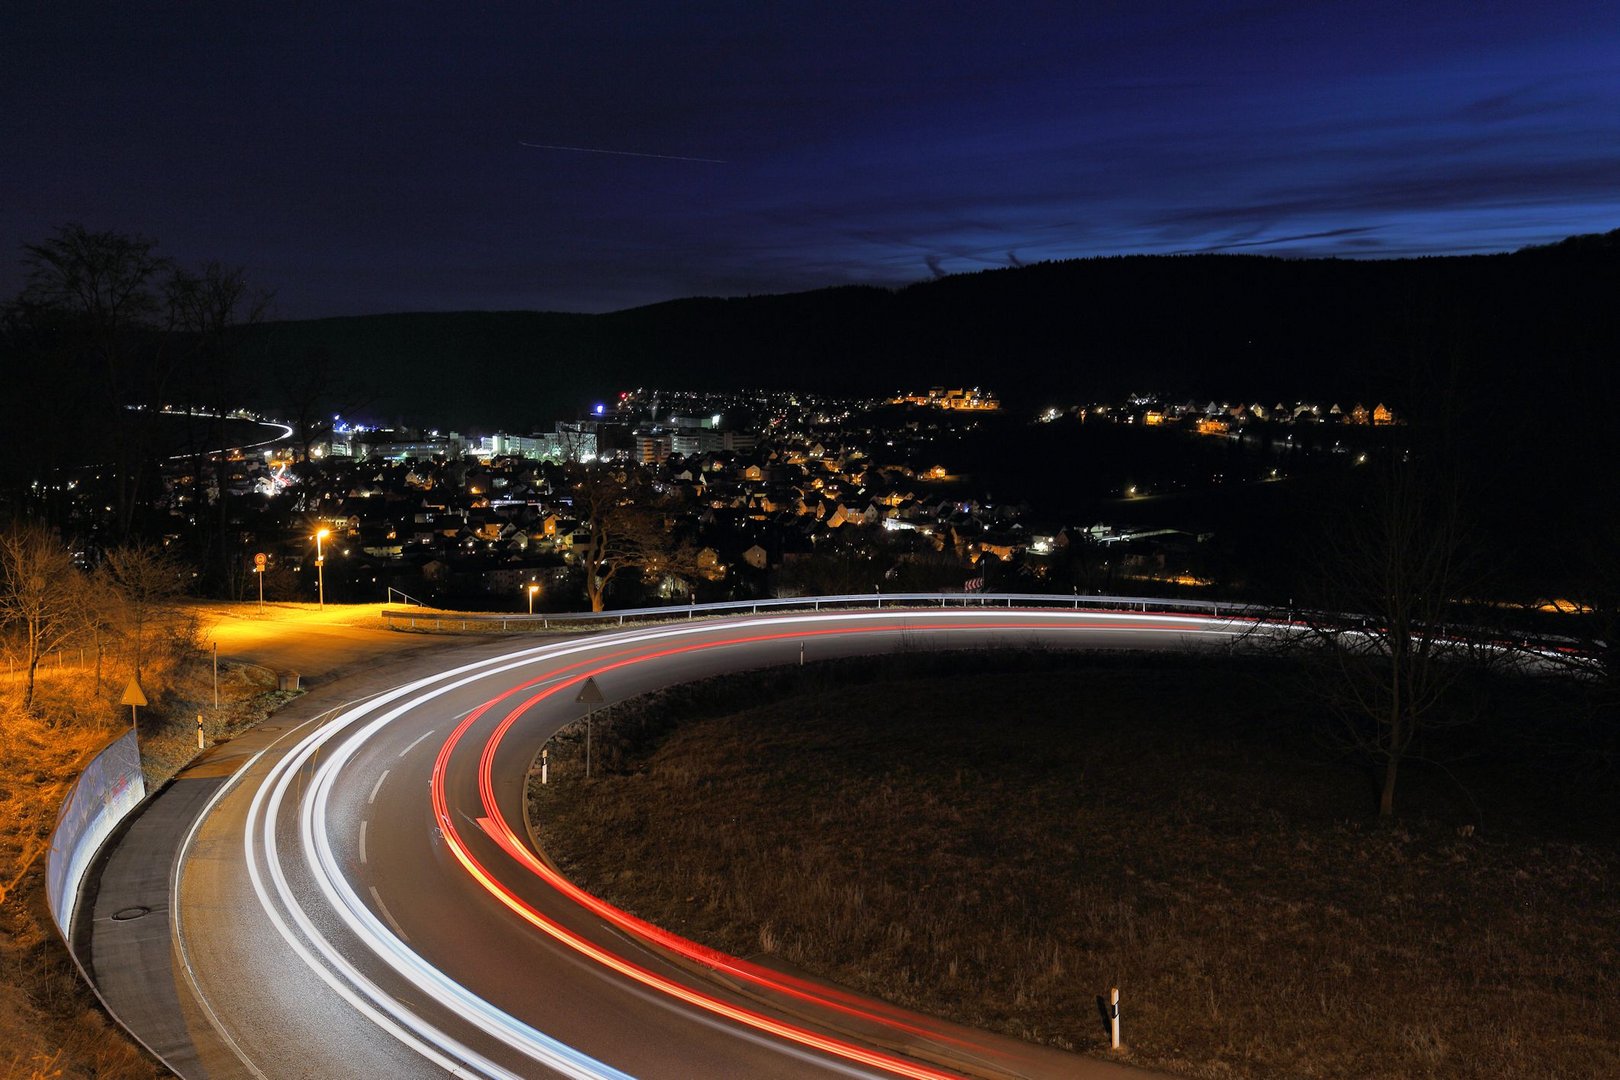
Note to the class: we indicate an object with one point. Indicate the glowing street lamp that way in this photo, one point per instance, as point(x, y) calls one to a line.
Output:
point(533, 588)
point(320, 564)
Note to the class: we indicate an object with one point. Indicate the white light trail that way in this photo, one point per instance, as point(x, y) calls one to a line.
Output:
point(384, 938)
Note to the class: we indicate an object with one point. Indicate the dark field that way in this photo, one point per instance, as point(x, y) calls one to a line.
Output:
point(1001, 839)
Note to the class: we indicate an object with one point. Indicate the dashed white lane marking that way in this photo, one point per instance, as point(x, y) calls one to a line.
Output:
point(376, 788)
point(363, 825)
point(382, 907)
point(414, 741)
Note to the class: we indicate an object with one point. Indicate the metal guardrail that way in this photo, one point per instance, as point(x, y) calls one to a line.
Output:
point(421, 620)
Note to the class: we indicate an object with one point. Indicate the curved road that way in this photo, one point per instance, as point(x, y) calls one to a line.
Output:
point(360, 901)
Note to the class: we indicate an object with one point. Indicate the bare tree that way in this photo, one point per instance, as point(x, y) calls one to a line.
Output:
point(627, 528)
point(313, 388)
point(1389, 609)
point(147, 580)
point(41, 596)
point(210, 307)
point(103, 289)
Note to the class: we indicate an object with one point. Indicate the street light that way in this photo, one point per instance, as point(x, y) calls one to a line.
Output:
point(533, 588)
point(320, 564)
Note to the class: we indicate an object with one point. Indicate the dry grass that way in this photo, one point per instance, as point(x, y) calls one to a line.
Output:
point(1003, 848)
point(51, 1025)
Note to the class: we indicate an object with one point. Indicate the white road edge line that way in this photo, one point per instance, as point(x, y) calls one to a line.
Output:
point(175, 929)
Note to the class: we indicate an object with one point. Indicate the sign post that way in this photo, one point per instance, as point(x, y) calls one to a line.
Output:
point(134, 696)
point(590, 694)
point(259, 561)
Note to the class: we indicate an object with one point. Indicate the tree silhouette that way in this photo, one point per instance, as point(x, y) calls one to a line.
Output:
point(1392, 594)
point(41, 596)
point(627, 527)
point(145, 579)
point(101, 296)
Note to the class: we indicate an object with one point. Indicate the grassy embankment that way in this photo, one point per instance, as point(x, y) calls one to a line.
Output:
point(51, 1025)
point(1001, 840)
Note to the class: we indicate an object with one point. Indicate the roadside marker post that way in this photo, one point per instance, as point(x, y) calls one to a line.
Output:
point(545, 767)
point(201, 745)
point(1113, 1018)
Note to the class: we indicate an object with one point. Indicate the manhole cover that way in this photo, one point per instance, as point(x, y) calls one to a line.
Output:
point(126, 914)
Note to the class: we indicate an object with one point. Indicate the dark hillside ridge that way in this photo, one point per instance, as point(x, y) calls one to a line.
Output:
point(1533, 327)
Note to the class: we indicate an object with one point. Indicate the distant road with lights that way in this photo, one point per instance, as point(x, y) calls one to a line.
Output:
point(362, 900)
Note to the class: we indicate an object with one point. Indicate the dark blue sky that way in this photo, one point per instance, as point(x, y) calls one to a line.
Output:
point(372, 158)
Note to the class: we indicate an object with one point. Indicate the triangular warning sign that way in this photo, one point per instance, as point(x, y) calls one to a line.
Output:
point(133, 694)
point(589, 694)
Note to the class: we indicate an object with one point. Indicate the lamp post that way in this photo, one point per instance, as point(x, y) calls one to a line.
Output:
point(320, 567)
point(533, 588)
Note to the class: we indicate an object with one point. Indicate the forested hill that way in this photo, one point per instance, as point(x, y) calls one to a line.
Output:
point(1543, 322)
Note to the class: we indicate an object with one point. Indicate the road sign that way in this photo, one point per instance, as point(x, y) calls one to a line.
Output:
point(590, 693)
point(133, 695)
point(259, 561)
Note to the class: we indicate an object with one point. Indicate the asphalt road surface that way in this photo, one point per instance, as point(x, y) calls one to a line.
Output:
point(361, 899)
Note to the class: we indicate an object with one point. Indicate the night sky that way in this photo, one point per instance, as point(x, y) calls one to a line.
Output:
point(406, 157)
